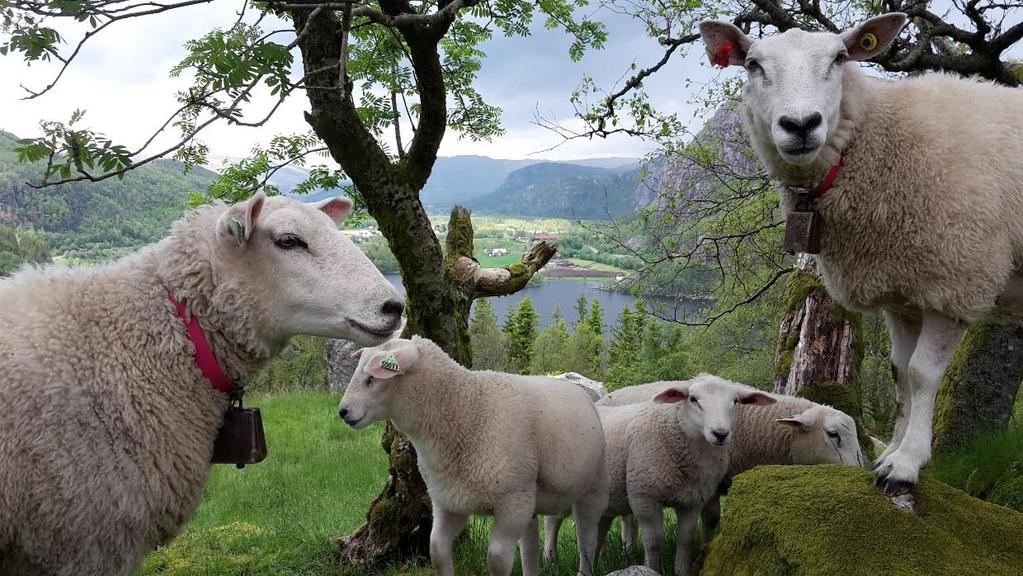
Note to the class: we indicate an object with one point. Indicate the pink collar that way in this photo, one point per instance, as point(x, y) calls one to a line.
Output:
point(204, 357)
point(828, 181)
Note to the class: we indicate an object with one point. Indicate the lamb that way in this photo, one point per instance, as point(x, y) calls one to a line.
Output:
point(488, 443)
point(791, 431)
point(919, 210)
point(666, 455)
point(109, 422)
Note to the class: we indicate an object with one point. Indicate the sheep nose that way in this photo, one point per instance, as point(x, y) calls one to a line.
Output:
point(393, 308)
point(800, 126)
point(342, 412)
point(720, 435)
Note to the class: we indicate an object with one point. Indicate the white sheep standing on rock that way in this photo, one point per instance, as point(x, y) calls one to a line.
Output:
point(922, 217)
point(108, 423)
point(488, 443)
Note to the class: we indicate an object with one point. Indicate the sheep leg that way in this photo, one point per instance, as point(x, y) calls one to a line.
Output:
point(711, 515)
point(629, 533)
point(687, 518)
point(551, 528)
point(651, 521)
point(446, 527)
point(529, 549)
point(939, 336)
point(588, 513)
point(904, 331)
point(511, 520)
point(602, 529)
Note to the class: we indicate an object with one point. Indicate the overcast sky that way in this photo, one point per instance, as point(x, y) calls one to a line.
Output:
point(121, 79)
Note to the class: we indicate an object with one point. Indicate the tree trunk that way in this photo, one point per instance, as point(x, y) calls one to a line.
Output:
point(980, 385)
point(439, 286)
point(819, 346)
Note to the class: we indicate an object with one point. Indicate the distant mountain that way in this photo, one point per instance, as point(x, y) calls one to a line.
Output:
point(95, 219)
point(553, 189)
point(454, 179)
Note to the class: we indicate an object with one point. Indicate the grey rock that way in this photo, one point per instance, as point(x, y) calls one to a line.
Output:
point(340, 364)
point(634, 571)
point(592, 387)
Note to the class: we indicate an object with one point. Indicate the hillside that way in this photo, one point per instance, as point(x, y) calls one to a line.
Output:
point(95, 220)
point(563, 190)
point(459, 179)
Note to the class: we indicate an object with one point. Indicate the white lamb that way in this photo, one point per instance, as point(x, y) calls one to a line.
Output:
point(791, 431)
point(488, 443)
point(667, 455)
point(924, 218)
point(108, 423)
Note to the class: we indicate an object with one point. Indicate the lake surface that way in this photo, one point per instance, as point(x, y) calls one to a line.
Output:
point(556, 292)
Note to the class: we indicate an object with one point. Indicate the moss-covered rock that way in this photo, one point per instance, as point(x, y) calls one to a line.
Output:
point(827, 520)
point(979, 388)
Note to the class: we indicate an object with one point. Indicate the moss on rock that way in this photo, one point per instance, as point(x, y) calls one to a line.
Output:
point(979, 388)
point(826, 520)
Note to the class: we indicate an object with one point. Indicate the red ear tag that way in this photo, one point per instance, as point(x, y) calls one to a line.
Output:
point(722, 55)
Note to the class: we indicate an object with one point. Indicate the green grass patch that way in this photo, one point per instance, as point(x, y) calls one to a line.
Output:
point(279, 517)
point(991, 468)
point(498, 261)
point(596, 265)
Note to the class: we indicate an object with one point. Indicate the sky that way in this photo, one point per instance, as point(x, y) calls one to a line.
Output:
point(121, 79)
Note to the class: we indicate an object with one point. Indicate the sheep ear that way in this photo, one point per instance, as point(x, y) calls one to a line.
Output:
point(795, 422)
point(337, 208)
point(239, 220)
point(754, 397)
point(672, 395)
point(726, 44)
point(872, 37)
point(398, 360)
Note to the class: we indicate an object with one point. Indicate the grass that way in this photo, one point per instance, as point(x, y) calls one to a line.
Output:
point(991, 468)
point(279, 517)
point(596, 265)
point(498, 261)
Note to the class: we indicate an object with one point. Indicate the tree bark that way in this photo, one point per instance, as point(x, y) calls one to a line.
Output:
point(979, 388)
point(819, 346)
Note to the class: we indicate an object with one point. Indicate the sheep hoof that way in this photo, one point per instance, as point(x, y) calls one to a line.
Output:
point(891, 483)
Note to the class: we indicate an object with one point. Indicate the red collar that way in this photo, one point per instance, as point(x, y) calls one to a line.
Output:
point(204, 357)
point(828, 181)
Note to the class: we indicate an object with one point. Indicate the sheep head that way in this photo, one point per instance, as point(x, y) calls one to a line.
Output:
point(707, 406)
point(370, 394)
point(824, 435)
point(311, 279)
point(793, 92)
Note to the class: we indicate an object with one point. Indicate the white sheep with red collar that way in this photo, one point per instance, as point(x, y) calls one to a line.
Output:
point(925, 218)
point(108, 422)
point(491, 443)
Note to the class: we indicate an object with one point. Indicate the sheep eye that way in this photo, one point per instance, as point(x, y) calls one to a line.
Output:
point(753, 66)
point(834, 436)
point(290, 242)
point(694, 401)
point(840, 59)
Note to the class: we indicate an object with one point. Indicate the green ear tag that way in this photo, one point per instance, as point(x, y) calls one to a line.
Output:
point(390, 362)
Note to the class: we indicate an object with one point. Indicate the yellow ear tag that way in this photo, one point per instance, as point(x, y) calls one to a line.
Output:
point(868, 41)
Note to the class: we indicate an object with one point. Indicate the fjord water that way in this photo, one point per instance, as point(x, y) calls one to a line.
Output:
point(557, 292)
